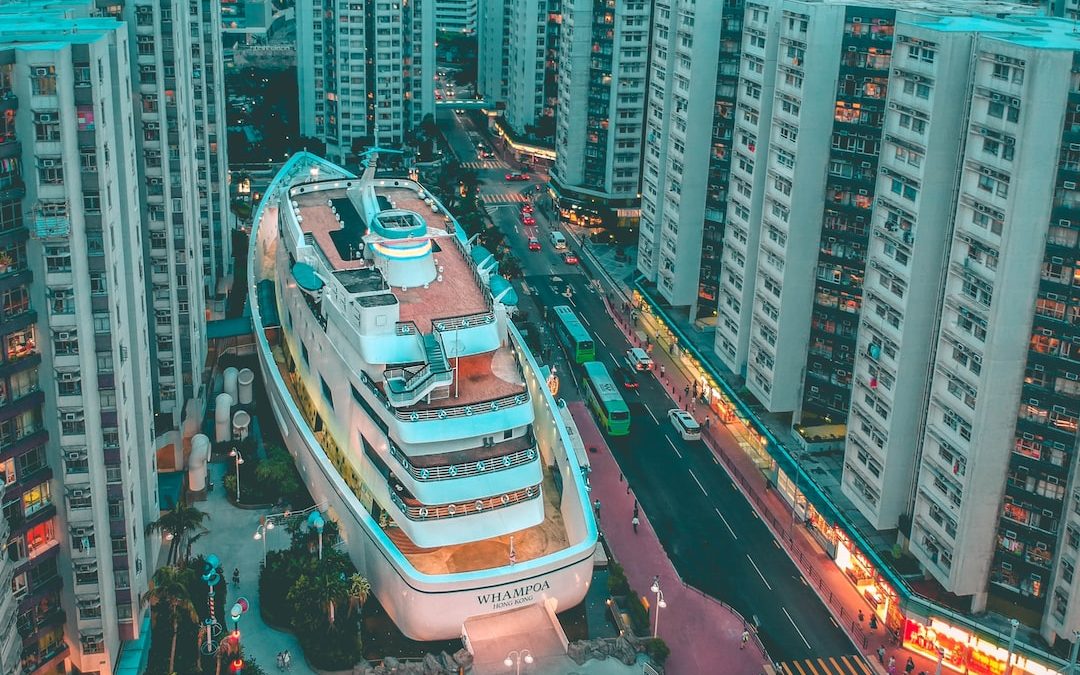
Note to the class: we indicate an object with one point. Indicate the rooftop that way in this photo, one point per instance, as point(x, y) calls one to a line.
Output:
point(1040, 32)
point(480, 378)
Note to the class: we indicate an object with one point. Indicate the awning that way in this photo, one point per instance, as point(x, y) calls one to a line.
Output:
point(502, 291)
point(306, 277)
point(481, 256)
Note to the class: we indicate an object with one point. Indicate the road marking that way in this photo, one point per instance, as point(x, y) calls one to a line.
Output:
point(585, 321)
point(601, 340)
point(776, 544)
point(616, 362)
point(672, 444)
point(694, 477)
point(796, 628)
point(763, 579)
point(646, 409)
point(722, 518)
point(834, 622)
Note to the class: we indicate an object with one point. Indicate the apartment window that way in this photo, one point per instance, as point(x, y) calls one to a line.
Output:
point(999, 110)
point(57, 258)
point(50, 171)
point(65, 343)
point(43, 80)
point(987, 222)
point(47, 126)
point(998, 149)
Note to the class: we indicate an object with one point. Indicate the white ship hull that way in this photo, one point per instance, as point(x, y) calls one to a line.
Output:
point(431, 606)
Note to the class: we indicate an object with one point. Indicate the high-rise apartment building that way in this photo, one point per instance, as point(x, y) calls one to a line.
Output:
point(366, 72)
point(692, 87)
point(456, 16)
point(518, 43)
point(76, 401)
point(603, 63)
point(967, 391)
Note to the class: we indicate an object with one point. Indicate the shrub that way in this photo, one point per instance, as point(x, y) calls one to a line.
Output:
point(657, 650)
point(639, 616)
point(617, 583)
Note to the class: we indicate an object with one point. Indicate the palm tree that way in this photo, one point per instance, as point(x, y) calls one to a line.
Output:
point(359, 590)
point(185, 523)
point(170, 589)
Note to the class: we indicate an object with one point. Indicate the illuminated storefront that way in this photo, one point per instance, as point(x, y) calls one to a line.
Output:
point(963, 652)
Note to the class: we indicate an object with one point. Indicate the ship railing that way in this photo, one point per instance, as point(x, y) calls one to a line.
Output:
point(465, 469)
point(465, 321)
point(465, 508)
point(406, 328)
point(463, 410)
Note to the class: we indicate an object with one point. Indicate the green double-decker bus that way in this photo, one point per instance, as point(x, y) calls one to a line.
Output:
point(573, 336)
point(605, 400)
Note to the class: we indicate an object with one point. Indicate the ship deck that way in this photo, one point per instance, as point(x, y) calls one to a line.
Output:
point(458, 294)
point(534, 542)
point(481, 377)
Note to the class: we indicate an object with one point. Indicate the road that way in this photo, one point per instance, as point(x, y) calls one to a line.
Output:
point(709, 530)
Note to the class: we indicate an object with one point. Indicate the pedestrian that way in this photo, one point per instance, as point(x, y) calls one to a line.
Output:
point(635, 507)
point(281, 660)
point(635, 522)
point(236, 576)
point(892, 664)
point(620, 476)
point(662, 371)
point(745, 638)
point(596, 508)
point(881, 655)
point(862, 617)
point(686, 390)
point(909, 666)
point(873, 622)
point(628, 487)
point(288, 660)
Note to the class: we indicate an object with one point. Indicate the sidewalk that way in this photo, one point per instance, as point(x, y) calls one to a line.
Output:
point(829, 582)
point(704, 634)
point(231, 538)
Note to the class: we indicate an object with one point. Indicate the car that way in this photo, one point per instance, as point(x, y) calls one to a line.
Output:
point(528, 220)
point(526, 208)
point(459, 111)
point(485, 154)
point(685, 423)
point(570, 258)
point(534, 244)
point(558, 241)
point(638, 359)
point(517, 176)
point(438, 96)
point(627, 378)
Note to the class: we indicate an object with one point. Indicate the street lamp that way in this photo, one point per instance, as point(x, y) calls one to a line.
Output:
point(266, 524)
point(660, 603)
point(515, 658)
point(1013, 625)
point(316, 520)
point(239, 460)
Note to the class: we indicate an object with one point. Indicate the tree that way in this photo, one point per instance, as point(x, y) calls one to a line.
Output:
point(359, 590)
point(170, 590)
point(185, 523)
point(510, 266)
point(277, 473)
point(315, 593)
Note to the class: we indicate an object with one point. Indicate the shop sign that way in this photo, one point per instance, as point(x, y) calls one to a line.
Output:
point(964, 652)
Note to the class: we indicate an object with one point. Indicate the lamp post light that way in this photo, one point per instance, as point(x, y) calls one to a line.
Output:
point(660, 603)
point(515, 658)
point(266, 523)
point(316, 520)
point(1013, 625)
point(235, 452)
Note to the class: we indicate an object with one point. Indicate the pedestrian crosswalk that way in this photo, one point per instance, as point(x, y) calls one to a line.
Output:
point(485, 164)
point(829, 665)
point(504, 198)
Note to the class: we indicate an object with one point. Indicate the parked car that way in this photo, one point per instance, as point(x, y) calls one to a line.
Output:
point(534, 244)
point(517, 176)
point(638, 359)
point(570, 258)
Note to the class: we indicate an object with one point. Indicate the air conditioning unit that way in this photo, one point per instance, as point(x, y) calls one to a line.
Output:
point(69, 377)
point(41, 72)
point(71, 417)
point(1069, 185)
point(64, 335)
point(80, 494)
point(48, 163)
point(44, 117)
point(995, 96)
point(82, 531)
point(73, 456)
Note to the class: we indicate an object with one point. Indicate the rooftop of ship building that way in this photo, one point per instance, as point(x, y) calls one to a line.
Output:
point(455, 292)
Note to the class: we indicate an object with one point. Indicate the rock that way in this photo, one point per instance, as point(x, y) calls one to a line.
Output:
point(391, 665)
point(363, 668)
point(624, 651)
point(448, 662)
point(432, 666)
point(463, 658)
point(578, 652)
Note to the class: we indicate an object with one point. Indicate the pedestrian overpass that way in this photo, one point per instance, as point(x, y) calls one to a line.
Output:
point(465, 104)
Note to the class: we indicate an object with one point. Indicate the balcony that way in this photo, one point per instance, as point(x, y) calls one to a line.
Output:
point(51, 227)
point(471, 462)
point(422, 512)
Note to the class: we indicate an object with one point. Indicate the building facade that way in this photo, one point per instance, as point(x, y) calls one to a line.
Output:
point(684, 185)
point(603, 62)
point(456, 16)
point(366, 72)
point(78, 401)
